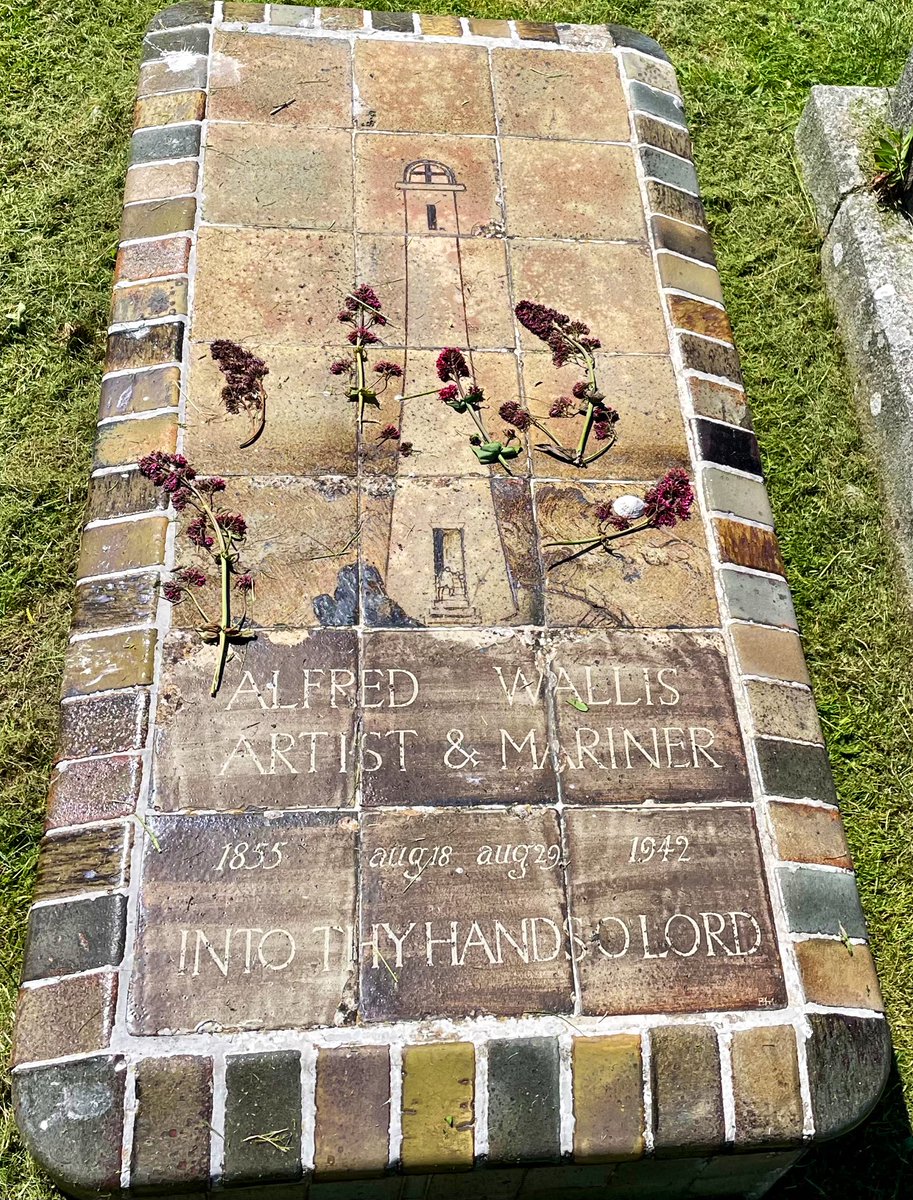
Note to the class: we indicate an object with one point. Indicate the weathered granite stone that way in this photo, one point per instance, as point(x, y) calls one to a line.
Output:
point(523, 1101)
point(902, 96)
point(71, 1118)
point(94, 790)
point(848, 1063)
point(103, 725)
point(831, 139)
point(758, 598)
point(74, 1015)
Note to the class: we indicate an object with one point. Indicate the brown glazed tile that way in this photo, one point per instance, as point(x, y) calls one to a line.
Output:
point(310, 425)
point(157, 218)
point(585, 280)
point(152, 346)
point(695, 887)
point(775, 653)
point(765, 1081)
point(114, 603)
point(722, 403)
point(352, 1135)
point(392, 192)
point(608, 1098)
point(260, 174)
point(300, 549)
point(438, 1110)
point(140, 392)
point(439, 309)
point(436, 25)
point(477, 564)
point(462, 913)
point(781, 711)
point(657, 721)
point(687, 1095)
point(121, 494)
point(341, 18)
point(103, 725)
point(122, 443)
point(140, 302)
point(173, 1122)
point(200, 958)
point(145, 260)
point(688, 276)
point(656, 579)
point(581, 98)
point(809, 834)
point(283, 723)
point(73, 1016)
point(94, 790)
point(423, 87)
point(452, 715)
point(252, 76)
point(682, 239)
point(92, 860)
point(160, 181)
point(641, 388)
point(484, 27)
point(171, 109)
point(838, 974)
point(598, 196)
point(700, 354)
point(671, 138)
point(748, 546)
point(109, 662)
point(699, 317)
point(109, 549)
point(270, 285)
point(536, 31)
point(672, 202)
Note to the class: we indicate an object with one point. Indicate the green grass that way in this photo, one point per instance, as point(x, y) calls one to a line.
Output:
point(746, 67)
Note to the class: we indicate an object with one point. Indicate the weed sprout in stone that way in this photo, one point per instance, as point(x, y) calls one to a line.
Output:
point(243, 391)
point(662, 506)
point(362, 310)
point(219, 534)
point(569, 342)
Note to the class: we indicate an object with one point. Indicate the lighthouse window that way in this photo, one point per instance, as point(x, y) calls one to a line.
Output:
point(432, 215)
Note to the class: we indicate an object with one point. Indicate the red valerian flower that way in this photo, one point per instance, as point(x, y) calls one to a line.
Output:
point(562, 407)
point(232, 523)
point(515, 414)
point(342, 366)
point(670, 500)
point(198, 533)
point(389, 433)
point(244, 583)
point(451, 364)
point(580, 389)
point(191, 577)
point(172, 592)
point(450, 392)
point(389, 370)
point(159, 466)
point(363, 337)
point(565, 338)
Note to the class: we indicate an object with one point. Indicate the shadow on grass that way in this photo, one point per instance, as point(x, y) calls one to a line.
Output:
point(873, 1162)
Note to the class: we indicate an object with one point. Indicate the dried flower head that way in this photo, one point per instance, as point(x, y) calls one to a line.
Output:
point(389, 433)
point(190, 576)
point(564, 406)
point(565, 338)
point(388, 370)
point(159, 466)
point(341, 366)
point(451, 364)
point(244, 583)
point(172, 592)
point(244, 373)
point(515, 414)
point(405, 449)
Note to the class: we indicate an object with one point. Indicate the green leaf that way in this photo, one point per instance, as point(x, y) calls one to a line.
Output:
point(488, 452)
point(578, 704)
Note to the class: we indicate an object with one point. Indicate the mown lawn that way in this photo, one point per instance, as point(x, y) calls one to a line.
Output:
point(746, 67)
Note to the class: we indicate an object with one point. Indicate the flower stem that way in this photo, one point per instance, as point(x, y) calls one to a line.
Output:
point(224, 624)
point(262, 425)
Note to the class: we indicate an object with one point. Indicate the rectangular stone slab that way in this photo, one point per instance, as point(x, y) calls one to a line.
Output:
point(498, 843)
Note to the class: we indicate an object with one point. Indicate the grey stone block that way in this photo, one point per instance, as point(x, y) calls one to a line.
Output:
point(660, 104)
point(832, 132)
point(848, 1063)
point(867, 264)
point(902, 97)
point(668, 168)
point(821, 901)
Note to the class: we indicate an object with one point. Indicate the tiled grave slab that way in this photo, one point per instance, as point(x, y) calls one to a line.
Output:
point(439, 782)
